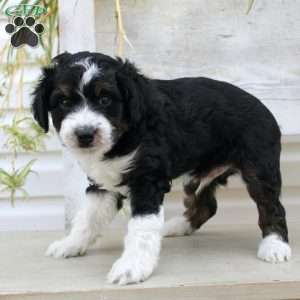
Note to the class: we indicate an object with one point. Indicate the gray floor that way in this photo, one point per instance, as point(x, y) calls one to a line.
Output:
point(218, 261)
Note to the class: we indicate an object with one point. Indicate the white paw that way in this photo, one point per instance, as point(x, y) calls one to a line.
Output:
point(177, 226)
point(67, 247)
point(128, 270)
point(272, 249)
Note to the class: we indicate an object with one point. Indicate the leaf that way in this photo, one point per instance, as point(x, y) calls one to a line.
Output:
point(6, 179)
point(250, 6)
point(22, 173)
point(3, 172)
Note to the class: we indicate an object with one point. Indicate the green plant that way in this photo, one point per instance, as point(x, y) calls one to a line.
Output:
point(21, 133)
point(15, 180)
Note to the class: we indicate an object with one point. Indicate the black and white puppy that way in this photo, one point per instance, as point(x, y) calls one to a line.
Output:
point(133, 135)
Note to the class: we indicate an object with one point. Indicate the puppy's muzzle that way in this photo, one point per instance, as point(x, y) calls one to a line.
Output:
point(85, 136)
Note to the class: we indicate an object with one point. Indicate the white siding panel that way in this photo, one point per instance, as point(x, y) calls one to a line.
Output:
point(36, 214)
point(287, 114)
point(174, 38)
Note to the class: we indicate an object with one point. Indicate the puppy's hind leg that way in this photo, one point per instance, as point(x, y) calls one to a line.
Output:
point(200, 208)
point(180, 225)
point(200, 202)
point(99, 209)
point(263, 181)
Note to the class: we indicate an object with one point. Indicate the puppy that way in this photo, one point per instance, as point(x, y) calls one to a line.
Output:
point(133, 135)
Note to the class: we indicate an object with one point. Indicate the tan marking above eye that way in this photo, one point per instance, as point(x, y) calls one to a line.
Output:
point(65, 89)
point(98, 88)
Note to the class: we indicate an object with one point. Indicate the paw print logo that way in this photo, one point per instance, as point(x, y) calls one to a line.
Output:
point(24, 31)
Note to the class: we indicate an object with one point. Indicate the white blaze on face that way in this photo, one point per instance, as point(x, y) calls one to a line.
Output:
point(91, 71)
point(82, 117)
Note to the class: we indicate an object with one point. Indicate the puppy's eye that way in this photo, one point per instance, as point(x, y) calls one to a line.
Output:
point(105, 101)
point(65, 102)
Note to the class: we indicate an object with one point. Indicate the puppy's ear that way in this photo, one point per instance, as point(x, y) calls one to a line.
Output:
point(131, 87)
point(61, 59)
point(41, 94)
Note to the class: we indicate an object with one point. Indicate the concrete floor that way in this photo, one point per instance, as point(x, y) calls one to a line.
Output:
point(217, 262)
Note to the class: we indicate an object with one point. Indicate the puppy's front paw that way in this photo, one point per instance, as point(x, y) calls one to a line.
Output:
point(272, 249)
point(67, 247)
point(128, 270)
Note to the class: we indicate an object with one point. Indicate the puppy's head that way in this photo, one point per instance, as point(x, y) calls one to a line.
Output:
point(93, 100)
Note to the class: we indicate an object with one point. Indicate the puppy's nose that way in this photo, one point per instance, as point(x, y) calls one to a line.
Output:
point(85, 136)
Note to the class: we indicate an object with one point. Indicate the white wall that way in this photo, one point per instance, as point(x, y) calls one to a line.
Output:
point(172, 38)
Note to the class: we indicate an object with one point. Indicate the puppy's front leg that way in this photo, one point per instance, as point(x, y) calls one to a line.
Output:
point(143, 241)
point(141, 250)
point(99, 209)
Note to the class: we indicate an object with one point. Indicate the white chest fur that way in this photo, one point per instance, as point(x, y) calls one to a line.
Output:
point(107, 173)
